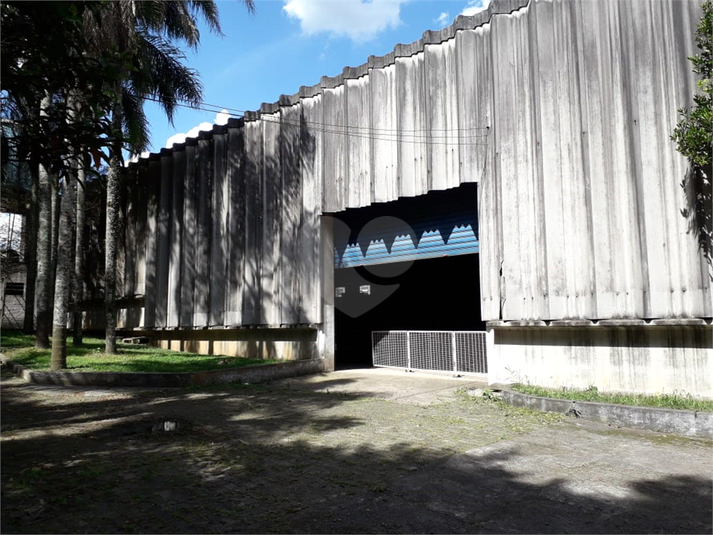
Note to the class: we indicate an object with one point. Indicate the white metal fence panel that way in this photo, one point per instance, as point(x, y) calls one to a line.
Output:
point(390, 348)
point(431, 350)
point(447, 351)
point(470, 352)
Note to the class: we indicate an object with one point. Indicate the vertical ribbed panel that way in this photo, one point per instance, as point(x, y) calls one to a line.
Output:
point(188, 237)
point(164, 237)
point(309, 268)
point(235, 269)
point(384, 144)
point(358, 136)
point(204, 231)
point(334, 148)
point(290, 215)
point(253, 223)
point(152, 197)
point(410, 116)
point(271, 219)
point(141, 205)
point(219, 235)
point(175, 252)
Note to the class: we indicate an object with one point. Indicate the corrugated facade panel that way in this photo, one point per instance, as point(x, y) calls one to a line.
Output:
point(188, 243)
point(219, 237)
point(410, 115)
point(561, 110)
point(384, 139)
point(271, 219)
point(309, 266)
point(175, 253)
point(358, 140)
point(253, 228)
point(204, 231)
point(153, 188)
point(140, 288)
point(334, 148)
point(237, 227)
point(164, 237)
point(290, 216)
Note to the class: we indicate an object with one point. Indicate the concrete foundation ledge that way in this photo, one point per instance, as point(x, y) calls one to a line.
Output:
point(676, 422)
point(250, 374)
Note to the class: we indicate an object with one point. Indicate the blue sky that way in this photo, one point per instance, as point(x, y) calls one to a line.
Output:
point(289, 43)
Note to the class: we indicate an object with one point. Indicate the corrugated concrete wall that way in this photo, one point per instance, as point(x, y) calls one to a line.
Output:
point(560, 109)
point(581, 216)
point(224, 231)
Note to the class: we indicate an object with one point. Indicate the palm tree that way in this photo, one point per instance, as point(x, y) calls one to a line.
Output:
point(143, 31)
point(146, 30)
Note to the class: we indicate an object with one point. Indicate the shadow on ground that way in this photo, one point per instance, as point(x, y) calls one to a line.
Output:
point(271, 459)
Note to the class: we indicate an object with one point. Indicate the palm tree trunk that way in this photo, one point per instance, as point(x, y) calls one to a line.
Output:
point(78, 288)
point(28, 326)
point(112, 233)
point(44, 261)
point(56, 212)
point(65, 266)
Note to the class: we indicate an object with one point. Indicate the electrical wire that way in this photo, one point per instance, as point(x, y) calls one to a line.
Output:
point(443, 136)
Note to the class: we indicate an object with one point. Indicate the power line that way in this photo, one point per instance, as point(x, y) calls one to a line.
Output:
point(442, 136)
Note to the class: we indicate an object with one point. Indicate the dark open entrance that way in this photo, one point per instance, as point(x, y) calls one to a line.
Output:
point(433, 294)
point(409, 265)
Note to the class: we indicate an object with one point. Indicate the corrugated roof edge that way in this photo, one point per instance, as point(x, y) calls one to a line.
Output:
point(430, 37)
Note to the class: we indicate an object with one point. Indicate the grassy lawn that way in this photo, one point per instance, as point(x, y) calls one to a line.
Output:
point(661, 401)
point(132, 358)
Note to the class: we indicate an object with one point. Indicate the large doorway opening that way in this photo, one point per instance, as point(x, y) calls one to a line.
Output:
point(424, 278)
point(439, 294)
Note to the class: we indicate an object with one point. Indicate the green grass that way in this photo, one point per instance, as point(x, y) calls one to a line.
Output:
point(10, 338)
point(132, 358)
point(661, 401)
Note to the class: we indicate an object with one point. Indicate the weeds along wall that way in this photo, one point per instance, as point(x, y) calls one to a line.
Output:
point(561, 110)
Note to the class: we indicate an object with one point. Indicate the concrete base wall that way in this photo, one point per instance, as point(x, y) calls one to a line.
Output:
point(647, 359)
point(258, 343)
point(257, 349)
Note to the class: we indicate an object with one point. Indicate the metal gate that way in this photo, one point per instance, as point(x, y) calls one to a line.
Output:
point(446, 351)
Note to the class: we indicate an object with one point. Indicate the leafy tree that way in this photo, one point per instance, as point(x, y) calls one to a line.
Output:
point(694, 138)
point(140, 30)
point(74, 79)
point(45, 55)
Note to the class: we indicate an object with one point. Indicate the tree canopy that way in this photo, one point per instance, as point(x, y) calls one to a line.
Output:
point(694, 133)
point(694, 139)
point(46, 52)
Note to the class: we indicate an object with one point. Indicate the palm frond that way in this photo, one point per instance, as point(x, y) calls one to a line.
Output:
point(162, 76)
point(136, 126)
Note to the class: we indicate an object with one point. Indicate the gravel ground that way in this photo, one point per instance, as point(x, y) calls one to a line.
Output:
point(370, 451)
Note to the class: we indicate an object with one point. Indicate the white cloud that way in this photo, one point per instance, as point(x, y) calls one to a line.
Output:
point(222, 117)
point(442, 19)
point(175, 138)
point(193, 132)
point(474, 7)
point(203, 127)
point(360, 20)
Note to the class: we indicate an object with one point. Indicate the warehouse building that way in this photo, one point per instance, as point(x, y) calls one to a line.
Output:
point(500, 197)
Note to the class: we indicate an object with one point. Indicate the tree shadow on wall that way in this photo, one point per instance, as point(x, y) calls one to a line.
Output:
point(697, 188)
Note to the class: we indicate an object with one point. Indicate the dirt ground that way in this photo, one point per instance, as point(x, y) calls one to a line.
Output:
point(368, 451)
